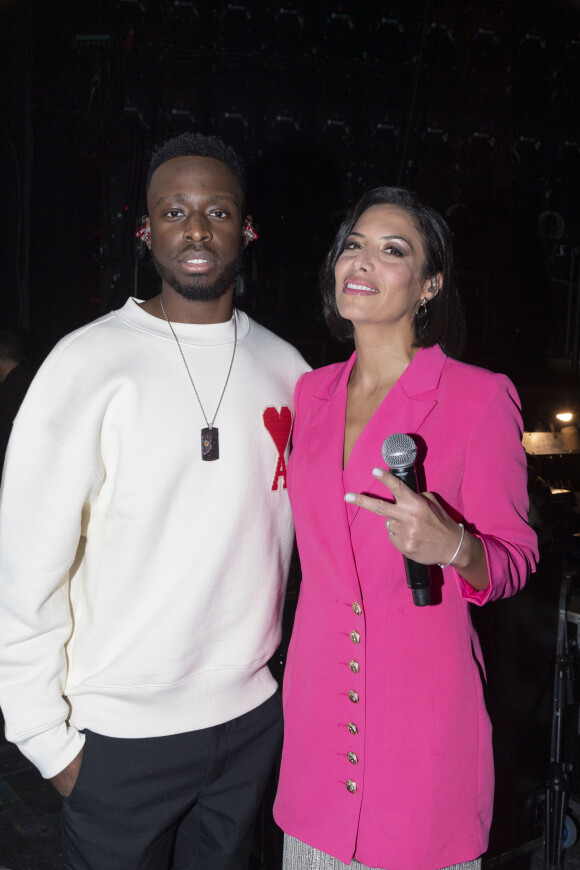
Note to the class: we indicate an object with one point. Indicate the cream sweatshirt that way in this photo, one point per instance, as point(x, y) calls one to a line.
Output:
point(140, 587)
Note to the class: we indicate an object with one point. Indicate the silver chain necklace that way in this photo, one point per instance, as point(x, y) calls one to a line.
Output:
point(210, 444)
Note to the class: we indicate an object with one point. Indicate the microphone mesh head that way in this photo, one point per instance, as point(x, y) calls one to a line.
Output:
point(399, 451)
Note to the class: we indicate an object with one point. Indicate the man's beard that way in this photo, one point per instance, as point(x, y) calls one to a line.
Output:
point(196, 289)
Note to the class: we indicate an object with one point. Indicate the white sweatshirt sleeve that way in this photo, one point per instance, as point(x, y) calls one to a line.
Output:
point(45, 489)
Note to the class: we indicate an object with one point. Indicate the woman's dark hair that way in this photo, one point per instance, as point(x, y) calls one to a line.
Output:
point(444, 322)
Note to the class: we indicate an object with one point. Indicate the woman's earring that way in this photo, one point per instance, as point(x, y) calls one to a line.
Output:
point(143, 233)
point(434, 287)
point(248, 231)
point(422, 309)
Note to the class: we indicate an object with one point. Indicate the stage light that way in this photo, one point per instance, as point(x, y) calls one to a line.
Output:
point(284, 121)
point(336, 125)
point(338, 31)
point(527, 148)
point(235, 117)
point(131, 110)
point(233, 125)
point(183, 8)
point(236, 26)
point(179, 120)
point(286, 31)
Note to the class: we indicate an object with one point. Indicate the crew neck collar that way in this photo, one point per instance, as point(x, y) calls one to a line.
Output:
point(203, 334)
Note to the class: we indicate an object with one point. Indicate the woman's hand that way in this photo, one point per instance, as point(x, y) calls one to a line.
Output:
point(420, 529)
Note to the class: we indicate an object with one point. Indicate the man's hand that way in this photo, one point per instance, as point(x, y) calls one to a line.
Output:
point(64, 782)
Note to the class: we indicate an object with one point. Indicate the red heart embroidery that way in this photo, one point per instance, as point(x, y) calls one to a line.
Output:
point(279, 425)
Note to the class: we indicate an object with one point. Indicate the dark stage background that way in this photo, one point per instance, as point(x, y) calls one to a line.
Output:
point(472, 104)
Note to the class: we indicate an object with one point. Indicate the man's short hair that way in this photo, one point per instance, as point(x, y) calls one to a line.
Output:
point(198, 145)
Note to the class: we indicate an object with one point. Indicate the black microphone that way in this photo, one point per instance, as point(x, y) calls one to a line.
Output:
point(400, 452)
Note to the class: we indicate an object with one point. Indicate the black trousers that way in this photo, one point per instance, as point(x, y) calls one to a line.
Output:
point(185, 801)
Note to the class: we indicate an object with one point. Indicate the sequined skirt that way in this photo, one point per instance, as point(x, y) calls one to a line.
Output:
point(299, 856)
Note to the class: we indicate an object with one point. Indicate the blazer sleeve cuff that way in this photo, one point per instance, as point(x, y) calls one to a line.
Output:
point(508, 565)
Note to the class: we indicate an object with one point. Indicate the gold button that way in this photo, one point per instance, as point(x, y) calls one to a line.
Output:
point(353, 696)
point(355, 636)
point(352, 757)
point(354, 666)
point(352, 728)
point(351, 786)
point(357, 608)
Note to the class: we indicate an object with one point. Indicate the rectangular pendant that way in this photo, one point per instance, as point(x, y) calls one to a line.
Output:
point(210, 444)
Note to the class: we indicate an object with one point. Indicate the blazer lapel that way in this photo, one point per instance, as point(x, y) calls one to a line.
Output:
point(404, 409)
point(325, 450)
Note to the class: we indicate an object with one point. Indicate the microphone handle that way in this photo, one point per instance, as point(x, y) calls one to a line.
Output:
point(418, 579)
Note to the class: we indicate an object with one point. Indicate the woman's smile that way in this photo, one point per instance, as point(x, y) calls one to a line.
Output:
point(356, 287)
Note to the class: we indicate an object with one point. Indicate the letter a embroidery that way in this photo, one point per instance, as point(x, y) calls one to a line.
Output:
point(279, 424)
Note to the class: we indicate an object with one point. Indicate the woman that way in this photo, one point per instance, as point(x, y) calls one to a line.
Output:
point(387, 756)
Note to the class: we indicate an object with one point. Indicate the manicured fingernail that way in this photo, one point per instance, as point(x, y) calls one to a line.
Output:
point(349, 496)
point(378, 472)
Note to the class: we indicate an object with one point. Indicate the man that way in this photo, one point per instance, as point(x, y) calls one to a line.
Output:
point(145, 536)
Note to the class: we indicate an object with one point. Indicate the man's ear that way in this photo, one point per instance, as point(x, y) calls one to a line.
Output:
point(249, 234)
point(144, 231)
point(147, 225)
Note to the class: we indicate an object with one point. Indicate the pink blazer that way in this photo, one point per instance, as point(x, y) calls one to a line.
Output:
point(387, 749)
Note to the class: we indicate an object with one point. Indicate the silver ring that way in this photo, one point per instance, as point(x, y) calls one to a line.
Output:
point(388, 525)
